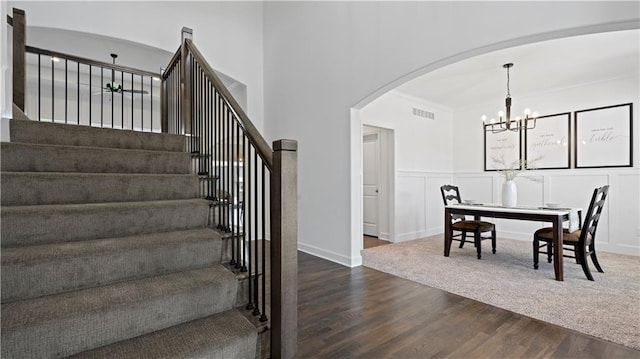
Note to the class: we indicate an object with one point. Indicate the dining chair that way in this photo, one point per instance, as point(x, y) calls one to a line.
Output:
point(581, 242)
point(459, 223)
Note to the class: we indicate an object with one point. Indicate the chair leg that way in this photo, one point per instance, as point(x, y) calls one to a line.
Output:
point(478, 242)
point(549, 252)
point(536, 252)
point(464, 237)
point(493, 241)
point(592, 249)
point(580, 252)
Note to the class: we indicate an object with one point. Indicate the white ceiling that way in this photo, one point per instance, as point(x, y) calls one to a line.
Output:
point(538, 67)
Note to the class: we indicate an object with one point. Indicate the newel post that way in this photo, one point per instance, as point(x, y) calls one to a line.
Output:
point(185, 81)
point(19, 24)
point(164, 105)
point(284, 247)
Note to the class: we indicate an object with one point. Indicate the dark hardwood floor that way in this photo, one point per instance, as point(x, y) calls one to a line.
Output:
point(369, 242)
point(364, 313)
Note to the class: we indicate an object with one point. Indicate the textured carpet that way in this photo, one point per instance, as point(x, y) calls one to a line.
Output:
point(608, 308)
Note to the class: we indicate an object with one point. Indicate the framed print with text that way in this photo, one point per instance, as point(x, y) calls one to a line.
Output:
point(603, 136)
point(548, 144)
point(504, 146)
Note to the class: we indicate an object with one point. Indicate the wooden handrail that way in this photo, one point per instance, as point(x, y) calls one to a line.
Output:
point(172, 62)
point(263, 148)
point(86, 61)
point(19, 24)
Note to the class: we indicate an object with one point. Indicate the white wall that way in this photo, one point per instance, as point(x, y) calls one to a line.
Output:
point(323, 58)
point(229, 34)
point(423, 158)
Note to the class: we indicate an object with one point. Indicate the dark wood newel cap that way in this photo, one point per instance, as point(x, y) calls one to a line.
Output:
point(285, 145)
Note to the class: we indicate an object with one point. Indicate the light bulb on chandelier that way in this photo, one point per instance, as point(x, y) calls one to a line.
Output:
point(507, 123)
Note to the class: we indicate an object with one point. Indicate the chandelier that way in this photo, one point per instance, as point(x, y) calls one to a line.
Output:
point(507, 123)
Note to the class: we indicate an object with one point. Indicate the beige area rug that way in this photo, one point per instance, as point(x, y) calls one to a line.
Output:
point(608, 308)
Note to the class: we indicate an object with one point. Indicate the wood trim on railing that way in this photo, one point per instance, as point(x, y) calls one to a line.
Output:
point(85, 61)
point(19, 25)
point(284, 250)
point(185, 82)
point(172, 63)
point(263, 148)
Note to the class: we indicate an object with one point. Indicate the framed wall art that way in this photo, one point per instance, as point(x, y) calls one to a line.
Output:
point(603, 137)
point(502, 146)
point(548, 144)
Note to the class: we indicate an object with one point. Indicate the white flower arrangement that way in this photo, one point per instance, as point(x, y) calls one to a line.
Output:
point(512, 170)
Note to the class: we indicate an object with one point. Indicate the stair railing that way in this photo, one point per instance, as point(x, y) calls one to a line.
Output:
point(69, 89)
point(251, 187)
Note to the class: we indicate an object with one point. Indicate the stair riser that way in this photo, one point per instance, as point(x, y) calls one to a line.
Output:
point(27, 188)
point(30, 280)
point(63, 223)
point(235, 338)
point(71, 135)
point(43, 158)
point(63, 337)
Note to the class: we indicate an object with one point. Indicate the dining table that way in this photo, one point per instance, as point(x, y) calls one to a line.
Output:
point(555, 216)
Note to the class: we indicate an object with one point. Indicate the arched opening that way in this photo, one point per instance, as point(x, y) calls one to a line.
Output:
point(458, 89)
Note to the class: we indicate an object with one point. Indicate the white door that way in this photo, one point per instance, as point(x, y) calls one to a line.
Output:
point(370, 179)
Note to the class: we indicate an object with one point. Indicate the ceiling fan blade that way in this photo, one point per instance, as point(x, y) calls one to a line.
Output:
point(144, 92)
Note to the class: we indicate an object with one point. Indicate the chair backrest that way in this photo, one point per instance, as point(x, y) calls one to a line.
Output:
point(451, 195)
point(593, 213)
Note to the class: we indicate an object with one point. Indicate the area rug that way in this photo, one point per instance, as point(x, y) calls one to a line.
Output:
point(607, 308)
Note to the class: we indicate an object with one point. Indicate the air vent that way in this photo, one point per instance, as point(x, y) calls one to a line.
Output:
point(424, 113)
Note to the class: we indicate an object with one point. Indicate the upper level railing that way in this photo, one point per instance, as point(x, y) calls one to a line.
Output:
point(251, 187)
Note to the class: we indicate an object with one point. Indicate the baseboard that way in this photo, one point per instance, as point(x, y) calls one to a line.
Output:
point(409, 236)
point(331, 256)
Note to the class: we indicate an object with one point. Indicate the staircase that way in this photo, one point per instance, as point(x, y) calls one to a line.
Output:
point(107, 250)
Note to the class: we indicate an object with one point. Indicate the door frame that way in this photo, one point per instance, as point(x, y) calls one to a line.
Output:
point(356, 220)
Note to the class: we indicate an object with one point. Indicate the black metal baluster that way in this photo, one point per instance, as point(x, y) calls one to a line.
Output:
point(66, 75)
point(246, 209)
point(263, 317)
point(237, 202)
point(102, 96)
point(122, 102)
point(113, 75)
point(141, 103)
point(151, 100)
point(250, 197)
point(39, 87)
point(256, 310)
point(132, 98)
point(78, 95)
point(53, 96)
point(90, 94)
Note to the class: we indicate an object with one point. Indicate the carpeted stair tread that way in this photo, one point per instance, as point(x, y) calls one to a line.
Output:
point(31, 225)
point(33, 188)
point(220, 336)
point(72, 322)
point(61, 134)
point(33, 271)
point(26, 157)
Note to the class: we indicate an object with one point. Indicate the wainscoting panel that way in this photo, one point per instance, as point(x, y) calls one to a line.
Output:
point(435, 204)
point(411, 213)
point(624, 221)
point(420, 211)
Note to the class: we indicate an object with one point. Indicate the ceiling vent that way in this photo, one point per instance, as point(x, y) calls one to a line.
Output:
point(424, 113)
